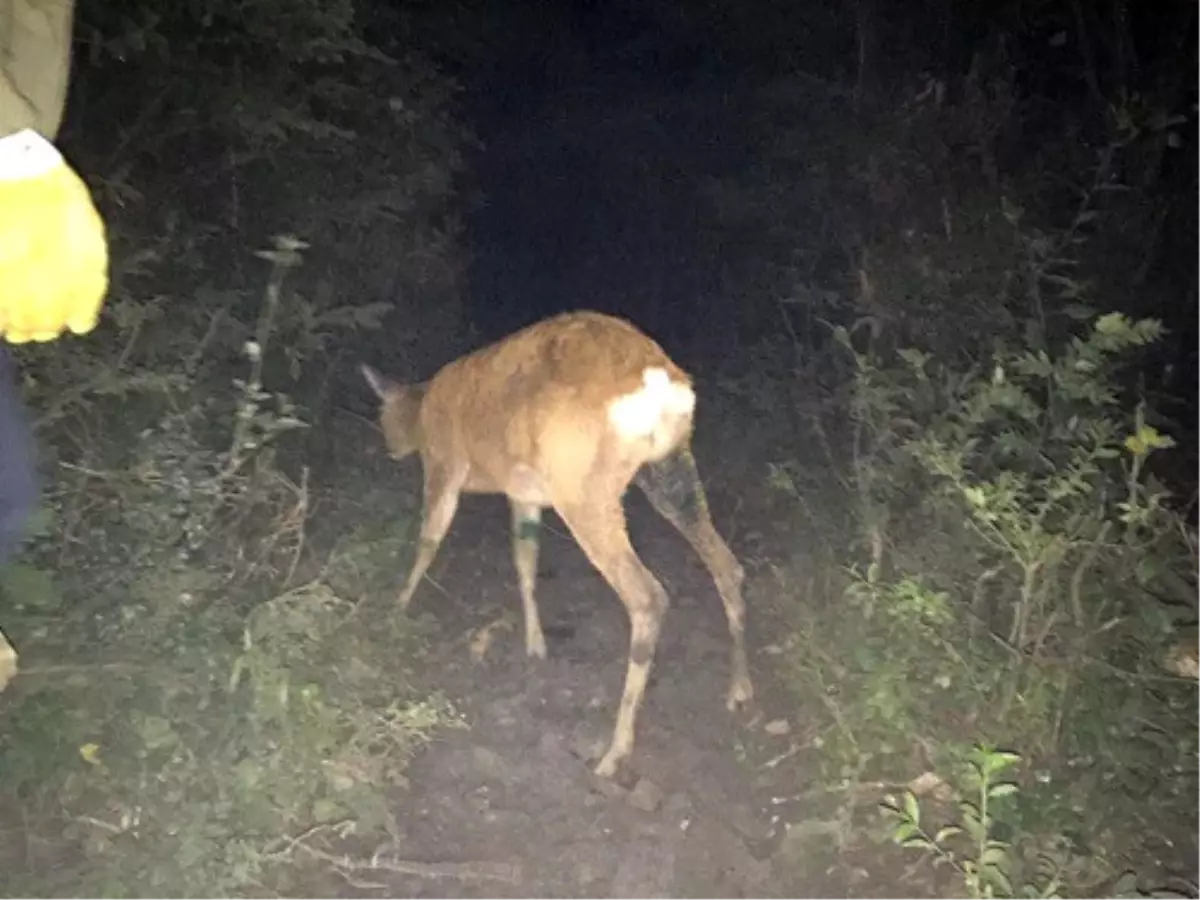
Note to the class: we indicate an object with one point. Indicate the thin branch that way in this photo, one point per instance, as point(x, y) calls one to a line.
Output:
point(379, 861)
point(1077, 576)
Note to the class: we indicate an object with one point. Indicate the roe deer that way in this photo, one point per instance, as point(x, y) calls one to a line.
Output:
point(566, 413)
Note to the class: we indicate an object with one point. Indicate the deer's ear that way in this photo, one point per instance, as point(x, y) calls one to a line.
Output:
point(380, 383)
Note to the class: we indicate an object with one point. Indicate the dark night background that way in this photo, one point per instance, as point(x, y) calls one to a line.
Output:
point(902, 247)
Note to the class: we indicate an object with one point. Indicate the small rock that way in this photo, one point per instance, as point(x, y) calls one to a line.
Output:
point(777, 727)
point(1182, 659)
point(646, 796)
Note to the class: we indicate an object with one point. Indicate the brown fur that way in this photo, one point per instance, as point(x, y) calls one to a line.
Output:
point(529, 417)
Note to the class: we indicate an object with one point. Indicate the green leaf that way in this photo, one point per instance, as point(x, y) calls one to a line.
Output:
point(994, 854)
point(1112, 324)
point(999, 760)
point(911, 808)
point(1000, 880)
point(946, 833)
point(971, 823)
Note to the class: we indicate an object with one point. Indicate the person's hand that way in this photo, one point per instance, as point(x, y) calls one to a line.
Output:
point(53, 248)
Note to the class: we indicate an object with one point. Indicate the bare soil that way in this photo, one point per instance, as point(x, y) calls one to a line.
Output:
point(509, 806)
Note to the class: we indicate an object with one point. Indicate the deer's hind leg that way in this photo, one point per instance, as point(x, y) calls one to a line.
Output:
point(600, 530)
point(526, 525)
point(673, 487)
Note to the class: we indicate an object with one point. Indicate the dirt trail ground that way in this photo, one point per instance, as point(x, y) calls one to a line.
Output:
point(510, 805)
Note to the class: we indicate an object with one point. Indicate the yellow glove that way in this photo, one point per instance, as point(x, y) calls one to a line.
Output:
point(53, 249)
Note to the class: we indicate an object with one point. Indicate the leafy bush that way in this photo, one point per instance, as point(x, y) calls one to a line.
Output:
point(1018, 574)
point(210, 713)
point(990, 851)
point(184, 760)
point(200, 698)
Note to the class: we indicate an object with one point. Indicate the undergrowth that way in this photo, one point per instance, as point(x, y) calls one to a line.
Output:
point(203, 707)
point(1009, 571)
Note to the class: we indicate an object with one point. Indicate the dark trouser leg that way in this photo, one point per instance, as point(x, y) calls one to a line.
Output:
point(18, 482)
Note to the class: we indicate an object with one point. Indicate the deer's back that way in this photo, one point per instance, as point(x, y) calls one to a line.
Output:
point(533, 409)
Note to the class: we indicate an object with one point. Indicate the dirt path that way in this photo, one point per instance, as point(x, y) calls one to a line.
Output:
point(516, 788)
point(698, 814)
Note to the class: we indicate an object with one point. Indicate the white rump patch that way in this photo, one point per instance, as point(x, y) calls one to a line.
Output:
point(640, 413)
